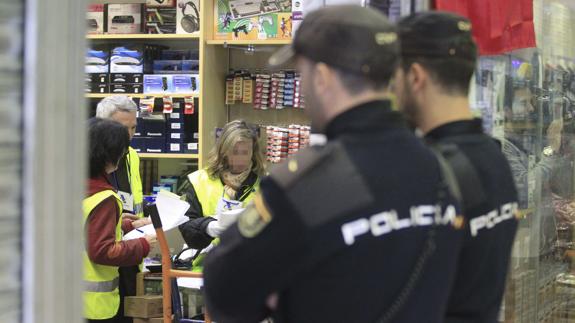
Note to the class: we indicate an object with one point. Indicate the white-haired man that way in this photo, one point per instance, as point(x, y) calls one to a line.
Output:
point(127, 181)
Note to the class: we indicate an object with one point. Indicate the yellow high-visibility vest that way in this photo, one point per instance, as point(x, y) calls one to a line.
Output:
point(101, 294)
point(209, 191)
point(135, 181)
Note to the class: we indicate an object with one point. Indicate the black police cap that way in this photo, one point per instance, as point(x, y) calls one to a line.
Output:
point(437, 34)
point(352, 38)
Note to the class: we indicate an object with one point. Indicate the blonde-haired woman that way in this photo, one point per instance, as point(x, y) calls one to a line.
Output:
point(228, 182)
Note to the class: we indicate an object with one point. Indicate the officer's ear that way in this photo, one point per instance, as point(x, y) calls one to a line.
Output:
point(323, 77)
point(417, 77)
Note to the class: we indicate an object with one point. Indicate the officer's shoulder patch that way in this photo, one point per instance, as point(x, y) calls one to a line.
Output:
point(255, 218)
point(289, 172)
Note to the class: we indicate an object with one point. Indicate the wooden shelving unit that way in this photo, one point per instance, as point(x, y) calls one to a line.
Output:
point(139, 95)
point(270, 42)
point(168, 156)
point(214, 63)
point(143, 36)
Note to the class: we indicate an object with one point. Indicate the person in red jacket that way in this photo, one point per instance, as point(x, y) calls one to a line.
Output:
point(108, 142)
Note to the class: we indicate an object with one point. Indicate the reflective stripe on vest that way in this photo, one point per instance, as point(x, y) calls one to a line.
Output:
point(101, 287)
point(101, 296)
point(135, 181)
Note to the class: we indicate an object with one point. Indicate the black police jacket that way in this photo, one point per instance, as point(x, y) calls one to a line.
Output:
point(484, 257)
point(337, 233)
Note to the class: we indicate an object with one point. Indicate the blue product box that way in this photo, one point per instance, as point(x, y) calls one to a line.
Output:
point(186, 84)
point(132, 78)
point(153, 127)
point(176, 66)
point(138, 143)
point(155, 144)
point(177, 126)
point(97, 61)
point(127, 60)
point(175, 136)
point(191, 148)
point(174, 147)
point(179, 54)
point(158, 83)
point(175, 116)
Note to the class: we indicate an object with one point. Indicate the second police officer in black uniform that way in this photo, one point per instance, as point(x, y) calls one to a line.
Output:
point(439, 58)
point(362, 229)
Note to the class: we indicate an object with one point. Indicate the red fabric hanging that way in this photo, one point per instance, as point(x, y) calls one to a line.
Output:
point(499, 26)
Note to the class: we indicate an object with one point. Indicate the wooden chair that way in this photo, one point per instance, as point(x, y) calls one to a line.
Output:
point(168, 273)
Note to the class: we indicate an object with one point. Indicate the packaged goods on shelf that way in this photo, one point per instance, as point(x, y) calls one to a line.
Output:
point(160, 3)
point(283, 142)
point(124, 18)
point(161, 20)
point(127, 59)
point(264, 90)
point(95, 19)
point(252, 19)
point(188, 16)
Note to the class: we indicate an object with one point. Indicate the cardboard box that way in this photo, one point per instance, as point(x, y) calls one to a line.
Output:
point(127, 78)
point(175, 136)
point(161, 20)
point(188, 17)
point(98, 88)
point(161, 15)
point(176, 116)
point(174, 147)
point(126, 88)
point(143, 306)
point(97, 60)
point(191, 148)
point(155, 145)
point(98, 78)
point(186, 84)
point(175, 126)
point(160, 3)
point(168, 66)
point(127, 59)
point(95, 19)
point(124, 18)
point(152, 320)
point(158, 83)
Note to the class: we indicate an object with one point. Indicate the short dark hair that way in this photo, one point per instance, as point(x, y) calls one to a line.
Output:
point(453, 74)
point(356, 83)
point(108, 142)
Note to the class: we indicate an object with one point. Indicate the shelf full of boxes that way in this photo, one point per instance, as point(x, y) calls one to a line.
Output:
point(139, 50)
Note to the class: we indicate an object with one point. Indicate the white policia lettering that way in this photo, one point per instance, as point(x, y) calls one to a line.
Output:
point(385, 222)
point(492, 218)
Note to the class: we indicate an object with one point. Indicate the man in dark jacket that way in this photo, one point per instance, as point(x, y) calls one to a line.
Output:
point(363, 229)
point(439, 58)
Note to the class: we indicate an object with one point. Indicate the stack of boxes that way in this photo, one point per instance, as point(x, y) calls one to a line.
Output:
point(284, 142)
point(123, 18)
point(264, 90)
point(121, 70)
point(173, 132)
point(277, 144)
point(161, 17)
point(155, 17)
point(175, 72)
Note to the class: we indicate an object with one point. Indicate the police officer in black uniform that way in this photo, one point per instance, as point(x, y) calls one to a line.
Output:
point(439, 58)
point(362, 229)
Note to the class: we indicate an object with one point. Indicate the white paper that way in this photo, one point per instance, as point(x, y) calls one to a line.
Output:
point(227, 218)
point(189, 282)
point(172, 212)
